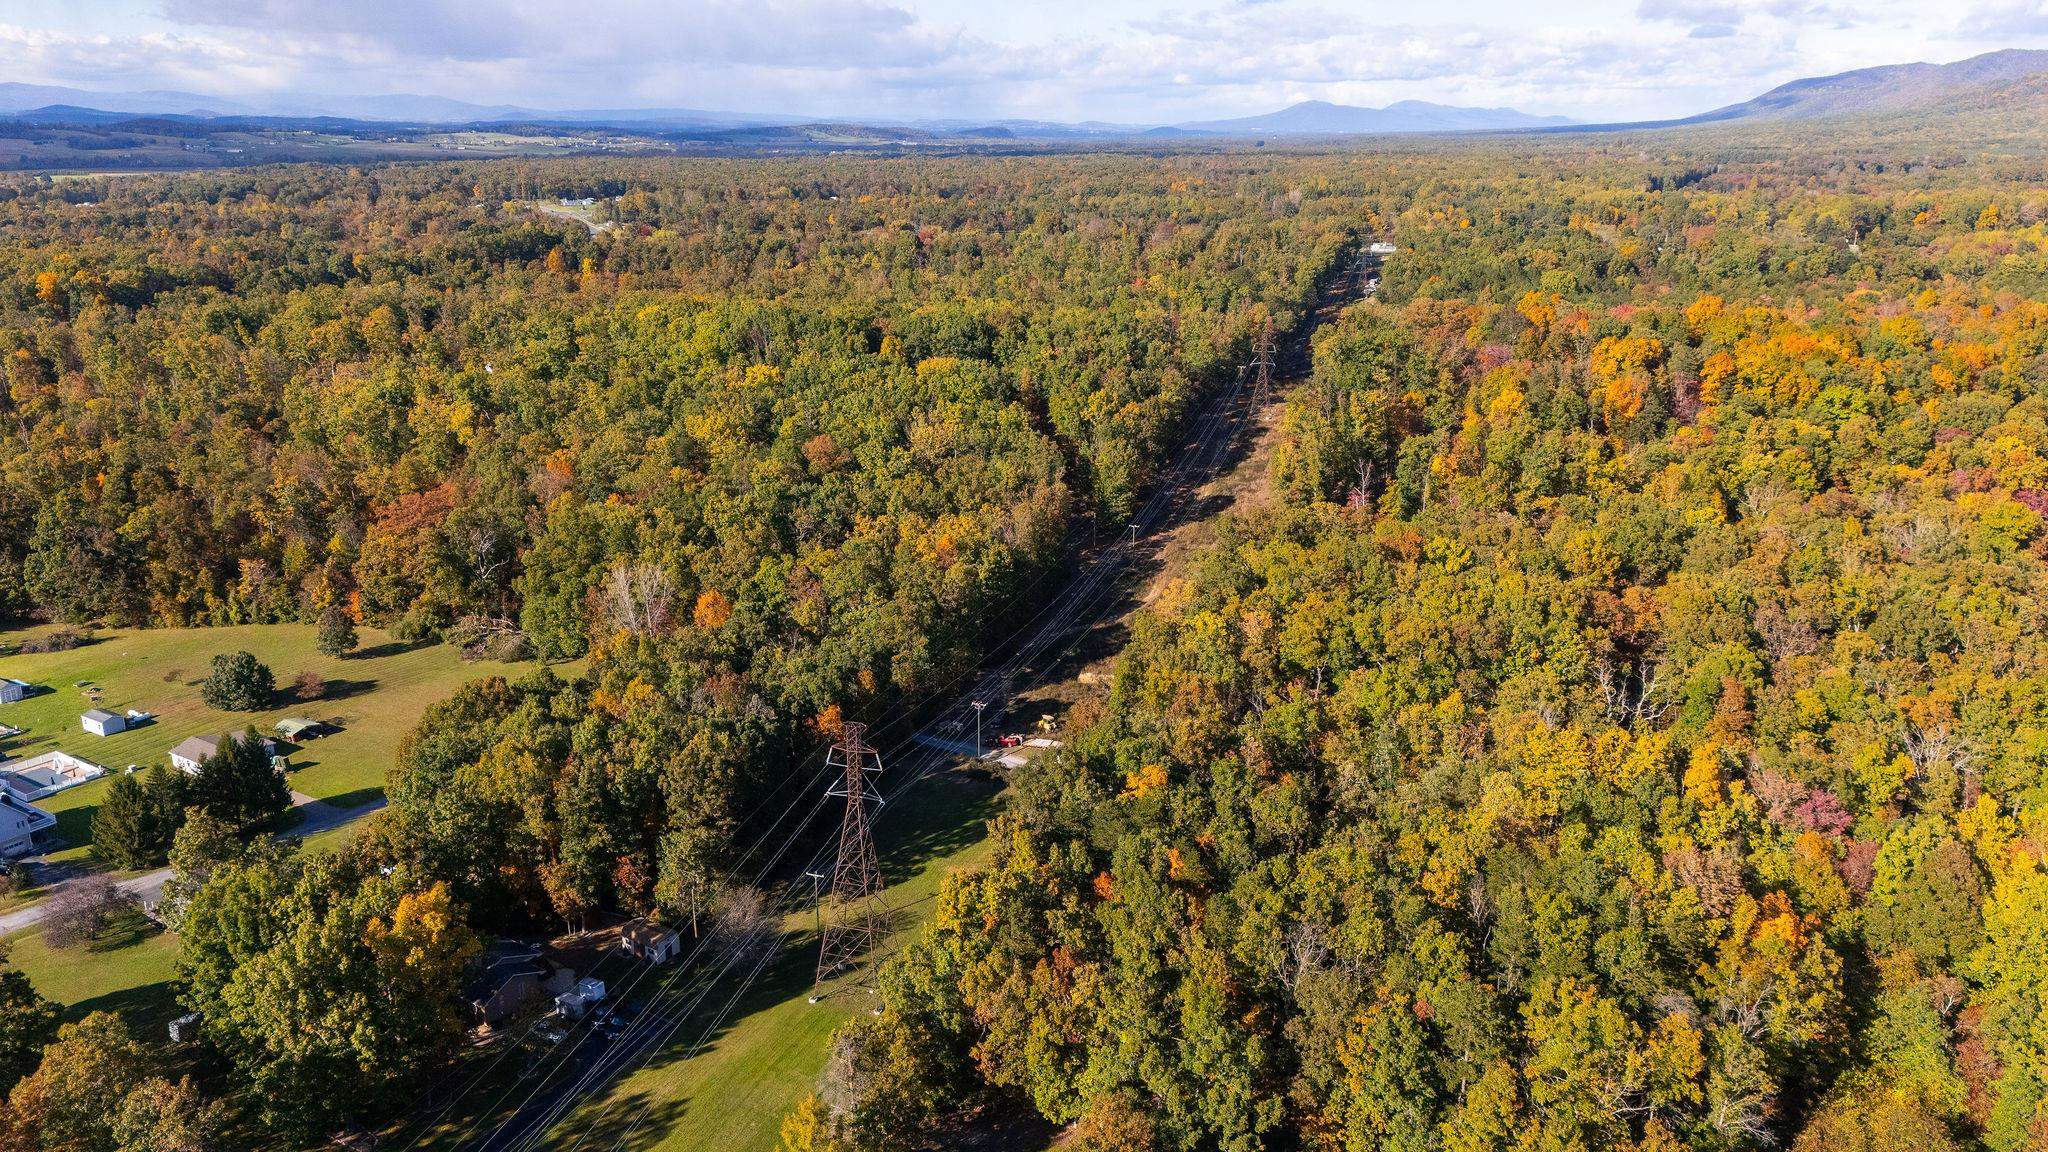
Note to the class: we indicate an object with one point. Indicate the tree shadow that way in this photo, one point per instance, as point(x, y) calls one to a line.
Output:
point(356, 798)
point(125, 928)
point(387, 648)
point(331, 690)
point(636, 1121)
point(148, 1008)
point(937, 817)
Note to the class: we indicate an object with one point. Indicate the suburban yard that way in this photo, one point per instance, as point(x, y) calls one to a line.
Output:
point(374, 697)
point(129, 971)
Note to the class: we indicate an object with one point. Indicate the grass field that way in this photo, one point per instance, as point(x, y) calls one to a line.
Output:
point(129, 971)
point(729, 1087)
point(375, 696)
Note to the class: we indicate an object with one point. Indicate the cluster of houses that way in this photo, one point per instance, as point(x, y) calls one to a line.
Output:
point(33, 778)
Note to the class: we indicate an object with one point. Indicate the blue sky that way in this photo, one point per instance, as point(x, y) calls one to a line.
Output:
point(1129, 60)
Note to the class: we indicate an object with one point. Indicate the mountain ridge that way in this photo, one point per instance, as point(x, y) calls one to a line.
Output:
point(1323, 118)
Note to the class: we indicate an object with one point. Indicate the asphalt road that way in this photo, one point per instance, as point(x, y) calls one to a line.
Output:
point(316, 816)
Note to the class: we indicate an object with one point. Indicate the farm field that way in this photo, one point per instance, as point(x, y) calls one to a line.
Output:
point(374, 697)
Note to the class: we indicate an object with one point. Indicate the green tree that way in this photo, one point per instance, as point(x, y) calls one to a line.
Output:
point(27, 1023)
point(329, 989)
point(239, 784)
point(238, 683)
point(337, 634)
point(73, 1098)
point(160, 1116)
point(122, 835)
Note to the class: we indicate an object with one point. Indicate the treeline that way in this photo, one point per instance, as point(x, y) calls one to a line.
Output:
point(1627, 732)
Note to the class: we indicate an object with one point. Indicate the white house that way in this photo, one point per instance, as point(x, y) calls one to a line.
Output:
point(20, 821)
point(1382, 248)
point(193, 751)
point(101, 722)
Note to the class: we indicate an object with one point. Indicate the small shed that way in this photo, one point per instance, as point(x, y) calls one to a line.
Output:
point(578, 1000)
point(185, 1029)
point(645, 940)
point(298, 729)
point(12, 690)
point(101, 722)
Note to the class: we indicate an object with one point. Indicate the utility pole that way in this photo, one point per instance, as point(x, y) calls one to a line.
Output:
point(857, 877)
point(978, 706)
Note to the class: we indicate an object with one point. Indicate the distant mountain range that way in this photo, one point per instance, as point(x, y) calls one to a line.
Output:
point(1899, 88)
point(1308, 118)
point(1321, 118)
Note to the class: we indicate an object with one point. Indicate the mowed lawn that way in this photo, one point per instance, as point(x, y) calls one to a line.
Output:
point(374, 696)
point(727, 1084)
point(129, 972)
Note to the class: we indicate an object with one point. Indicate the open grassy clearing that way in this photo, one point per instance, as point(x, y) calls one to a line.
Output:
point(375, 696)
point(129, 971)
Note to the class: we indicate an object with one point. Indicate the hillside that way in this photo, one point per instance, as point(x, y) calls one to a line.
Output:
point(1893, 88)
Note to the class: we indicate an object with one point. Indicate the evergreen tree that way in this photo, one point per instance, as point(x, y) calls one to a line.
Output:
point(238, 683)
point(166, 791)
point(122, 832)
point(337, 632)
point(238, 784)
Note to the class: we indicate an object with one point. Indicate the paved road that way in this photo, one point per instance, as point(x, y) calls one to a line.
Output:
point(316, 816)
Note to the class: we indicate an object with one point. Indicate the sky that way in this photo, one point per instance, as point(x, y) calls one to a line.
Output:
point(1131, 61)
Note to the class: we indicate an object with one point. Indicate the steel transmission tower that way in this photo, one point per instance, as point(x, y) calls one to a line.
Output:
point(1262, 361)
point(857, 878)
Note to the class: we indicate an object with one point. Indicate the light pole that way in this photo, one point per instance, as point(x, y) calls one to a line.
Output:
point(978, 706)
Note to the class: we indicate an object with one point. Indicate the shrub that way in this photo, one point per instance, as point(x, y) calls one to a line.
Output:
point(308, 685)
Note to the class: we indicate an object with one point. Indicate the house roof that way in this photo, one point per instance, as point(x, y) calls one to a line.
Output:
point(99, 714)
point(19, 816)
point(643, 932)
point(196, 747)
point(293, 727)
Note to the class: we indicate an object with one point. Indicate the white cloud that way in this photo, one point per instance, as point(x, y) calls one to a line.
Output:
point(1125, 59)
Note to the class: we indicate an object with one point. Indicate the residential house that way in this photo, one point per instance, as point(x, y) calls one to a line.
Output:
point(193, 751)
point(514, 979)
point(101, 722)
point(20, 823)
point(651, 942)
